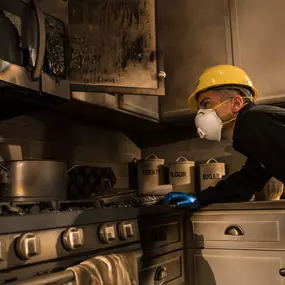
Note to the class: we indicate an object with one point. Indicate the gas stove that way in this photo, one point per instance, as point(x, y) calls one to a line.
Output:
point(40, 238)
point(109, 200)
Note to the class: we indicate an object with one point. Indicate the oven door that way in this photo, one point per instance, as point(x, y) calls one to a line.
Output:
point(22, 44)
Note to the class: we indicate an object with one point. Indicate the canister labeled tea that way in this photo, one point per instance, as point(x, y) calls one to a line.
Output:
point(211, 173)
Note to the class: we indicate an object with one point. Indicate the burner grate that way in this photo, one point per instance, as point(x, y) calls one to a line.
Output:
point(24, 208)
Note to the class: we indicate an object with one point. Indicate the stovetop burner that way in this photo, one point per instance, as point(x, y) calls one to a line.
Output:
point(124, 199)
point(23, 208)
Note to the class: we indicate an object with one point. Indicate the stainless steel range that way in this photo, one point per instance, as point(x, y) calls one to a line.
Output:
point(39, 241)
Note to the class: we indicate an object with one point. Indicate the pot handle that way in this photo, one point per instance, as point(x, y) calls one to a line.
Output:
point(108, 182)
point(150, 155)
point(179, 158)
point(72, 167)
point(211, 160)
point(4, 168)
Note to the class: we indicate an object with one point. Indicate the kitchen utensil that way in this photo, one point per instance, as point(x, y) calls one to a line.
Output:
point(182, 171)
point(211, 173)
point(34, 180)
point(150, 173)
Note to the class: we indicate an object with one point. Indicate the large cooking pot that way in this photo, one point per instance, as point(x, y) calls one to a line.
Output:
point(33, 180)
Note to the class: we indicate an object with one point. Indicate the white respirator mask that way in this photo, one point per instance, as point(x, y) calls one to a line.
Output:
point(209, 125)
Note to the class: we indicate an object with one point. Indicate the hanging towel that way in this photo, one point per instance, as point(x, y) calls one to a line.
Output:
point(112, 269)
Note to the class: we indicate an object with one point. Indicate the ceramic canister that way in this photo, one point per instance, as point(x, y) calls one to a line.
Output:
point(211, 173)
point(182, 172)
point(150, 172)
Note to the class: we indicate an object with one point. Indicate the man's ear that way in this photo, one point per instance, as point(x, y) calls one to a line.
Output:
point(237, 104)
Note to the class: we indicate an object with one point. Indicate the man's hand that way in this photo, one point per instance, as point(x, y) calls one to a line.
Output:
point(181, 200)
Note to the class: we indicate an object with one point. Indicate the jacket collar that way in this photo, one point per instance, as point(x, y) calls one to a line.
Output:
point(245, 108)
point(238, 127)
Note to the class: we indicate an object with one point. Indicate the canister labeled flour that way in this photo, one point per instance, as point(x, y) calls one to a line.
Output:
point(211, 173)
point(150, 172)
point(182, 171)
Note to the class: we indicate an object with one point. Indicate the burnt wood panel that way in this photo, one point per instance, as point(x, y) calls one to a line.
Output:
point(113, 45)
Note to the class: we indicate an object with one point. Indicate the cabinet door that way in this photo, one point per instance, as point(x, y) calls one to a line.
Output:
point(114, 47)
point(258, 43)
point(161, 235)
point(101, 99)
point(236, 267)
point(195, 35)
point(259, 229)
point(166, 269)
point(146, 106)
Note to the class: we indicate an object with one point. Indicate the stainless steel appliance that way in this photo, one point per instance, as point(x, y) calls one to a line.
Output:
point(33, 46)
point(36, 245)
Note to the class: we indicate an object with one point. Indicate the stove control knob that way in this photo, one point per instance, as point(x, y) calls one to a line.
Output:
point(107, 233)
point(125, 230)
point(27, 246)
point(73, 239)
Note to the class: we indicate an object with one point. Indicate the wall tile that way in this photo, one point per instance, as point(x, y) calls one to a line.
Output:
point(45, 135)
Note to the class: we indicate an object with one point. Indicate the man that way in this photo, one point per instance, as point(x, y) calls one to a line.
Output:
point(224, 97)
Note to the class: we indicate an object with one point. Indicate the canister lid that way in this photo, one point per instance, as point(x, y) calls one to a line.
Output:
point(183, 160)
point(212, 162)
point(153, 158)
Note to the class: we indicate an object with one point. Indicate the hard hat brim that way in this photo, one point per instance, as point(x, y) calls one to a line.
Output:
point(192, 103)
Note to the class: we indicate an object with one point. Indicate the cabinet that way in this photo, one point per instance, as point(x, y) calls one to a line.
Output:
point(195, 35)
point(236, 247)
point(114, 47)
point(162, 242)
point(258, 45)
point(166, 269)
point(146, 106)
point(235, 267)
point(238, 230)
point(161, 235)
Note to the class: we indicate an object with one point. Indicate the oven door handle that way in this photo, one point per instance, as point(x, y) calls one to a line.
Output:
point(36, 73)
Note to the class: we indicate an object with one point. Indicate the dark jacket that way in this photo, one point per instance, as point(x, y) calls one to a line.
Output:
point(259, 134)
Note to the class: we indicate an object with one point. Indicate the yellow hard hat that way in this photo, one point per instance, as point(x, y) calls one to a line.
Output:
point(220, 75)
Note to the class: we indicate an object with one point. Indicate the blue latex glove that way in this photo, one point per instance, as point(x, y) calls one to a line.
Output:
point(182, 200)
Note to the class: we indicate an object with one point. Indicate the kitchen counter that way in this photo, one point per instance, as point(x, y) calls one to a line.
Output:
point(166, 209)
point(44, 221)
point(255, 205)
